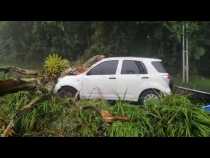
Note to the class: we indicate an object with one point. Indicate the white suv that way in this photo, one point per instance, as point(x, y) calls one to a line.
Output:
point(127, 78)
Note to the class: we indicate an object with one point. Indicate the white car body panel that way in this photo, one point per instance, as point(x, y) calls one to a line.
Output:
point(73, 81)
point(126, 87)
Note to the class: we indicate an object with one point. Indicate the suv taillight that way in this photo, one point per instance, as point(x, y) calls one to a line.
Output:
point(169, 77)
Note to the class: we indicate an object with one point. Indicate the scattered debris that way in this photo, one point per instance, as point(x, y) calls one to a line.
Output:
point(106, 116)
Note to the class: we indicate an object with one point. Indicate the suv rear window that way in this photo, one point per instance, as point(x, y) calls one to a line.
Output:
point(133, 67)
point(159, 66)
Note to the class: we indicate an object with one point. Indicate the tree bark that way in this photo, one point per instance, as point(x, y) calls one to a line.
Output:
point(12, 86)
point(82, 68)
point(19, 71)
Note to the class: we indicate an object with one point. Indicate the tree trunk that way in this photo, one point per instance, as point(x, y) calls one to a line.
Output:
point(12, 86)
point(20, 71)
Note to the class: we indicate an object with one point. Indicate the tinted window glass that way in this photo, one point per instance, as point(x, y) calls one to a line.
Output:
point(158, 66)
point(141, 67)
point(133, 67)
point(105, 68)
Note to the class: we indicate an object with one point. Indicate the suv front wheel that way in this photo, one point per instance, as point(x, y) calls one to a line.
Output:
point(149, 95)
point(67, 91)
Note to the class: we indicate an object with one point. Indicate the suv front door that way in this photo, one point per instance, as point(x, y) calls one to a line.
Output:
point(101, 81)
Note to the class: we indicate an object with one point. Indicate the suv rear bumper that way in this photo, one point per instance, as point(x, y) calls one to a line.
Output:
point(171, 85)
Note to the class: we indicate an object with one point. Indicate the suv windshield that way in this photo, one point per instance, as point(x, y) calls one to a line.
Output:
point(159, 66)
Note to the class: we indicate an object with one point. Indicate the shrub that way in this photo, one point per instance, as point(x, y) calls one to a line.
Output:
point(54, 65)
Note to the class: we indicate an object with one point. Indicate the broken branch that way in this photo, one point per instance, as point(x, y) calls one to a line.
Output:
point(82, 68)
point(13, 69)
point(28, 108)
point(106, 116)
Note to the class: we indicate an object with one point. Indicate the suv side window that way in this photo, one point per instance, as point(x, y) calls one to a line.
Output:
point(133, 67)
point(159, 66)
point(105, 68)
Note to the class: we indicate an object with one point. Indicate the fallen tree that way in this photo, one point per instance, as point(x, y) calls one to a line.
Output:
point(13, 85)
point(82, 68)
point(20, 71)
point(34, 81)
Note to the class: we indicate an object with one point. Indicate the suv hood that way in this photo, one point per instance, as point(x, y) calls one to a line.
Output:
point(68, 80)
point(70, 77)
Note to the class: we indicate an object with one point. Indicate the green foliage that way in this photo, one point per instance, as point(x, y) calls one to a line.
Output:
point(138, 126)
point(177, 117)
point(39, 118)
point(90, 124)
point(199, 53)
point(196, 82)
point(123, 129)
point(27, 43)
point(54, 65)
point(173, 116)
point(12, 102)
point(176, 28)
point(74, 122)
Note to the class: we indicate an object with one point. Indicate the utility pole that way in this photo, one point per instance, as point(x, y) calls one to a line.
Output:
point(185, 53)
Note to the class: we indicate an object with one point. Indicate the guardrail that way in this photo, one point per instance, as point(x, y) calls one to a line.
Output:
point(192, 92)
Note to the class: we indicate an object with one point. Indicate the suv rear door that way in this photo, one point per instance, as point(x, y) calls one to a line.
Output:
point(133, 76)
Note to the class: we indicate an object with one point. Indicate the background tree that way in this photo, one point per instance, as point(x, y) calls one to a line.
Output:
point(27, 43)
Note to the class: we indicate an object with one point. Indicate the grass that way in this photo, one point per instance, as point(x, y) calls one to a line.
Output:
point(172, 116)
point(195, 82)
point(177, 117)
point(202, 84)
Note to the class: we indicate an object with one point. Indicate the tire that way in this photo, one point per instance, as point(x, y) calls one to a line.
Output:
point(147, 95)
point(171, 85)
point(68, 92)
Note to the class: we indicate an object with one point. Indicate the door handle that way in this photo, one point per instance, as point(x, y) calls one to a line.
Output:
point(112, 78)
point(145, 77)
